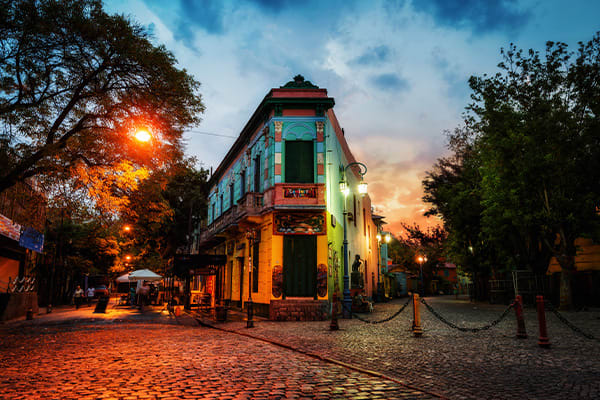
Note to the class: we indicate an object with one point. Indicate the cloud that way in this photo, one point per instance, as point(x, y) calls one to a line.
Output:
point(373, 55)
point(481, 16)
point(186, 17)
point(273, 5)
point(390, 82)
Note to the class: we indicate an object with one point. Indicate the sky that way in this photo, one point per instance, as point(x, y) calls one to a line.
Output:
point(398, 69)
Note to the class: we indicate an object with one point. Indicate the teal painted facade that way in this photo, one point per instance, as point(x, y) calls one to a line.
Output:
point(256, 164)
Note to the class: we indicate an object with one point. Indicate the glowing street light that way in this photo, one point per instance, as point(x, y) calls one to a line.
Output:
point(142, 135)
point(127, 228)
point(421, 260)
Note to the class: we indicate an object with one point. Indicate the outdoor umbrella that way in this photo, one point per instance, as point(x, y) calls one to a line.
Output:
point(144, 275)
point(123, 278)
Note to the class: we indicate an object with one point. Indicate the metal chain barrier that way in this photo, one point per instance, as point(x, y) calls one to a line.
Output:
point(368, 321)
point(463, 329)
point(568, 323)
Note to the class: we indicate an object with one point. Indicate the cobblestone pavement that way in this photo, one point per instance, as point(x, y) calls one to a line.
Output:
point(490, 364)
point(139, 360)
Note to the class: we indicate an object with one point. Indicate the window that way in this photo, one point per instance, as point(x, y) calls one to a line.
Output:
point(242, 183)
point(213, 211)
point(299, 161)
point(231, 202)
point(221, 209)
point(257, 174)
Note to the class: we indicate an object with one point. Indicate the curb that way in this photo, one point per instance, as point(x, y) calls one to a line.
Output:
point(325, 359)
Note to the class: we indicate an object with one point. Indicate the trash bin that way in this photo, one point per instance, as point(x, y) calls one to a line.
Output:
point(221, 313)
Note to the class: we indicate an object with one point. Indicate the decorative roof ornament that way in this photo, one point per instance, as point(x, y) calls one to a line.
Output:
point(299, 83)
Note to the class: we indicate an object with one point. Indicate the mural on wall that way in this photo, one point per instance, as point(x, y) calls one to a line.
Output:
point(299, 224)
point(322, 280)
point(297, 193)
point(277, 285)
point(334, 265)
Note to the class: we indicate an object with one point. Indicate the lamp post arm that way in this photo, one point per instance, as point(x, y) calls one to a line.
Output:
point(362, 167)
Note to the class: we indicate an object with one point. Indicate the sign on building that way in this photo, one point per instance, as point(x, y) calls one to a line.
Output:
point(32, 240)
point(9, 228)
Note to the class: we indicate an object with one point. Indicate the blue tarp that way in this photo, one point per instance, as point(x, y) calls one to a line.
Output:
point(32, 240)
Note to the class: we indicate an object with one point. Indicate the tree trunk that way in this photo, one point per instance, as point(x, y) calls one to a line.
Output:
point(567, 264)
point(566, 295)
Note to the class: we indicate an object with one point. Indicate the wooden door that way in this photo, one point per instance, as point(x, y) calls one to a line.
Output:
point(300, 265)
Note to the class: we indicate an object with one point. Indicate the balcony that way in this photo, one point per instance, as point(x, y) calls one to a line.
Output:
point(248, 206)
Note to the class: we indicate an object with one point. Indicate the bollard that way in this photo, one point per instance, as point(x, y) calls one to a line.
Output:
point(177, 311)
point(334, 320)
point(29, 315)
point(416, 328)
point(521, 332)
point(543, 340)
point(250, 321)
point(49, 309)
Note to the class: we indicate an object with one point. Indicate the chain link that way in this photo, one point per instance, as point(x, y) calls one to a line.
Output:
point(463, 329)
point(568, 323)
point(368, 321)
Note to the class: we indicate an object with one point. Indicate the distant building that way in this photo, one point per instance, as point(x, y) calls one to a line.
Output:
point(22, 216)
point(276, 211)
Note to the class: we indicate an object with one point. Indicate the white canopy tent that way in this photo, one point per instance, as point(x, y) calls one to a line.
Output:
point(144, 275)
point(123, 278)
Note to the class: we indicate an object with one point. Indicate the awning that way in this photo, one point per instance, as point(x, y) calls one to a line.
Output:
point(144, 275)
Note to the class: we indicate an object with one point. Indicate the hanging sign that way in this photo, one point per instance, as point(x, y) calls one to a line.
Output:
point(297, 193)
point(32, 240)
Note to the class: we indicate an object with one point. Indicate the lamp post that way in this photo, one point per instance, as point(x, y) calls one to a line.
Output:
point(345, 189)
point(250, 235)
point(380, 287)
point(421, 260)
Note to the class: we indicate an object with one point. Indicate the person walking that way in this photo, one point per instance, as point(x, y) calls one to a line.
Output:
point(90, 295)
point(78, 296)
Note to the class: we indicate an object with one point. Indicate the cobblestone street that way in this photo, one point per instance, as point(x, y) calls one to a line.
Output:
point(145, 361)
point(128, 355)
point(490, 364)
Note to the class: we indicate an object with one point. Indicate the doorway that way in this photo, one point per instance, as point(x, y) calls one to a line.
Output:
point(300, 265)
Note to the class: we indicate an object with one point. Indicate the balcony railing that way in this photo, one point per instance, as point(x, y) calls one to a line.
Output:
point(249, 205)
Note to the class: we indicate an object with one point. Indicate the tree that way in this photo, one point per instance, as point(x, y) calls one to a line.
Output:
point(415, 243)
point(164, 209)
point(535, 129)
point(75, 83)
point(539, 125)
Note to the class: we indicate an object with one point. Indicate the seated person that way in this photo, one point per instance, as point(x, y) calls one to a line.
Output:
point(361, 304)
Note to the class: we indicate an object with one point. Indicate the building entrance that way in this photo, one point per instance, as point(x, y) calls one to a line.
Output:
point(300, 265)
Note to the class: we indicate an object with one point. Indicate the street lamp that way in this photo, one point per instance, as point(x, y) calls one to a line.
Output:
point(251, 236)
point(345, 189)
point(127, 228)
point(421, 260)
point(387, 239)
point(142, 135)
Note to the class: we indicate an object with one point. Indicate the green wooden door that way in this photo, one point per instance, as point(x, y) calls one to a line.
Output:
point(300, 265)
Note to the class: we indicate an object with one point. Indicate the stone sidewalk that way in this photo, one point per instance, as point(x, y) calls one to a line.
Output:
point(490, 364)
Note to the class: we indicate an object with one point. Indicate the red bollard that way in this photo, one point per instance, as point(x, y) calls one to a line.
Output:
point(543, 340)
point(521, 332)
point(334, 320)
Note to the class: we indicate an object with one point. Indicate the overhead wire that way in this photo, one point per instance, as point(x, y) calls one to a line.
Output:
point(212, 134)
